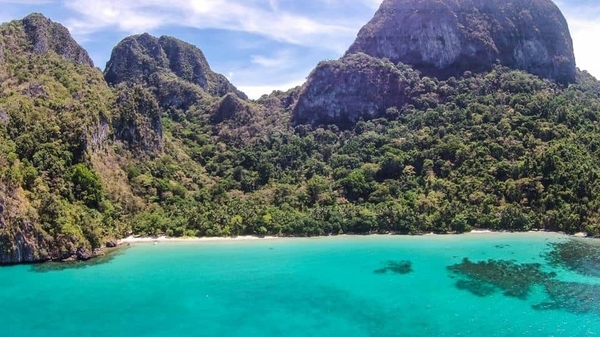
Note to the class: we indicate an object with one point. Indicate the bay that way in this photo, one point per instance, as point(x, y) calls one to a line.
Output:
point(335, 286)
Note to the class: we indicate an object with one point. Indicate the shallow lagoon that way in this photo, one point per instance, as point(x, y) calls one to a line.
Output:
point(336, 286)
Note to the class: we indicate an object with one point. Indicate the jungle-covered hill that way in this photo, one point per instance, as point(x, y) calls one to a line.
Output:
point(173, 148)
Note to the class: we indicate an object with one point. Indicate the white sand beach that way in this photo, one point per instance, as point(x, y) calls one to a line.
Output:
point(482, 231)
point(144, 239)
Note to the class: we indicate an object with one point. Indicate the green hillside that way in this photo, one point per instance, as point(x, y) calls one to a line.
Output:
point(83, 163)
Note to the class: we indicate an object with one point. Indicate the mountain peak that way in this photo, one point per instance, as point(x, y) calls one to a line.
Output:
point(46, 35)
point(444, 38)
point(138, 57)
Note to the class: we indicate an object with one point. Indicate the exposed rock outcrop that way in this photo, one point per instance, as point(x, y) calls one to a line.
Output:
point(340, 92)
point(2, 206)
point(147, 60)
point(441, 39)
point(3, 117)
point(444, 38)
point(111, 243)
point(97, 135)
point(21, 243)
point(45, 35)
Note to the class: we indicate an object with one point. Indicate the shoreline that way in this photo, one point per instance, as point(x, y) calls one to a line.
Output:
point(163, 238)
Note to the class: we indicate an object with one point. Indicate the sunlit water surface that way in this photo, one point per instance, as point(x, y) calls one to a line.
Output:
point(337, 286)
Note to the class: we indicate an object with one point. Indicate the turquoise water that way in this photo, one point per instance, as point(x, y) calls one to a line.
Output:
point(288, 287)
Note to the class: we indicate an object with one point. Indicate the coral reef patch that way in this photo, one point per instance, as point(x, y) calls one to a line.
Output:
point(396, 267)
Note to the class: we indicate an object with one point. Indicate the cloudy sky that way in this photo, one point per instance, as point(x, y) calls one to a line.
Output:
point(261, 45)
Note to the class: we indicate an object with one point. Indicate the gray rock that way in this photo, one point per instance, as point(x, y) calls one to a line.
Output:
point(46, 36)
point(23, 245)
point(145, 131)
point(444, 38)
point(84, 253)
point(2, 202)
point(145, 59)
point(340, 92)
point(111, 244)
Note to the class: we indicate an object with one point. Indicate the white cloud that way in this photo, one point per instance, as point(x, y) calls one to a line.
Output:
point(26, 2)
point(585, 36)
point(253, 16)
point(255, 91)
point(374, 4)
point(282, 59)
point(584, 24)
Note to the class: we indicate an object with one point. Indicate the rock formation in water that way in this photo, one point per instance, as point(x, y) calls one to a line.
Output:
point(444, 38)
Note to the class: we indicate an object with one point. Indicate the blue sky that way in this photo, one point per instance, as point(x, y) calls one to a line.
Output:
point(260, 45)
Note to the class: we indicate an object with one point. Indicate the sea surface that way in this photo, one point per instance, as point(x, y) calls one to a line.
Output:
point(336, 286)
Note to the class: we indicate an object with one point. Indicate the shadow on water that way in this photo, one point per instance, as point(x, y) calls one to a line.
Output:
point(108, 256)
point(486, 278)
point(321, 307)
point(397, 267)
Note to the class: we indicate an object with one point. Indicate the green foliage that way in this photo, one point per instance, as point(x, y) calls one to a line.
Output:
point(87, 186)
point(502, 150)
point(51, 111)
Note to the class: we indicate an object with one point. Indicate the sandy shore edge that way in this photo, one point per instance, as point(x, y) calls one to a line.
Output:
point(141, 239)
point(138, 239)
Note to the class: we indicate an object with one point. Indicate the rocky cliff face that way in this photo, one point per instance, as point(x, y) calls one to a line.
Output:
point(167, 74)
point(441, 39)
point(21, 241)
point(444, 38)
point(45, 35)
point(340, 92)
point(145, 59)
point(46, 74)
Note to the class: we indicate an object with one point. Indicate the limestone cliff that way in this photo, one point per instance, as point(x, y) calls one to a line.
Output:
point(45, 35)
point(24, 241)
point(440, 39)
point(444, 38)
point(54, 113)
point(340, 92)
point(178, 70)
